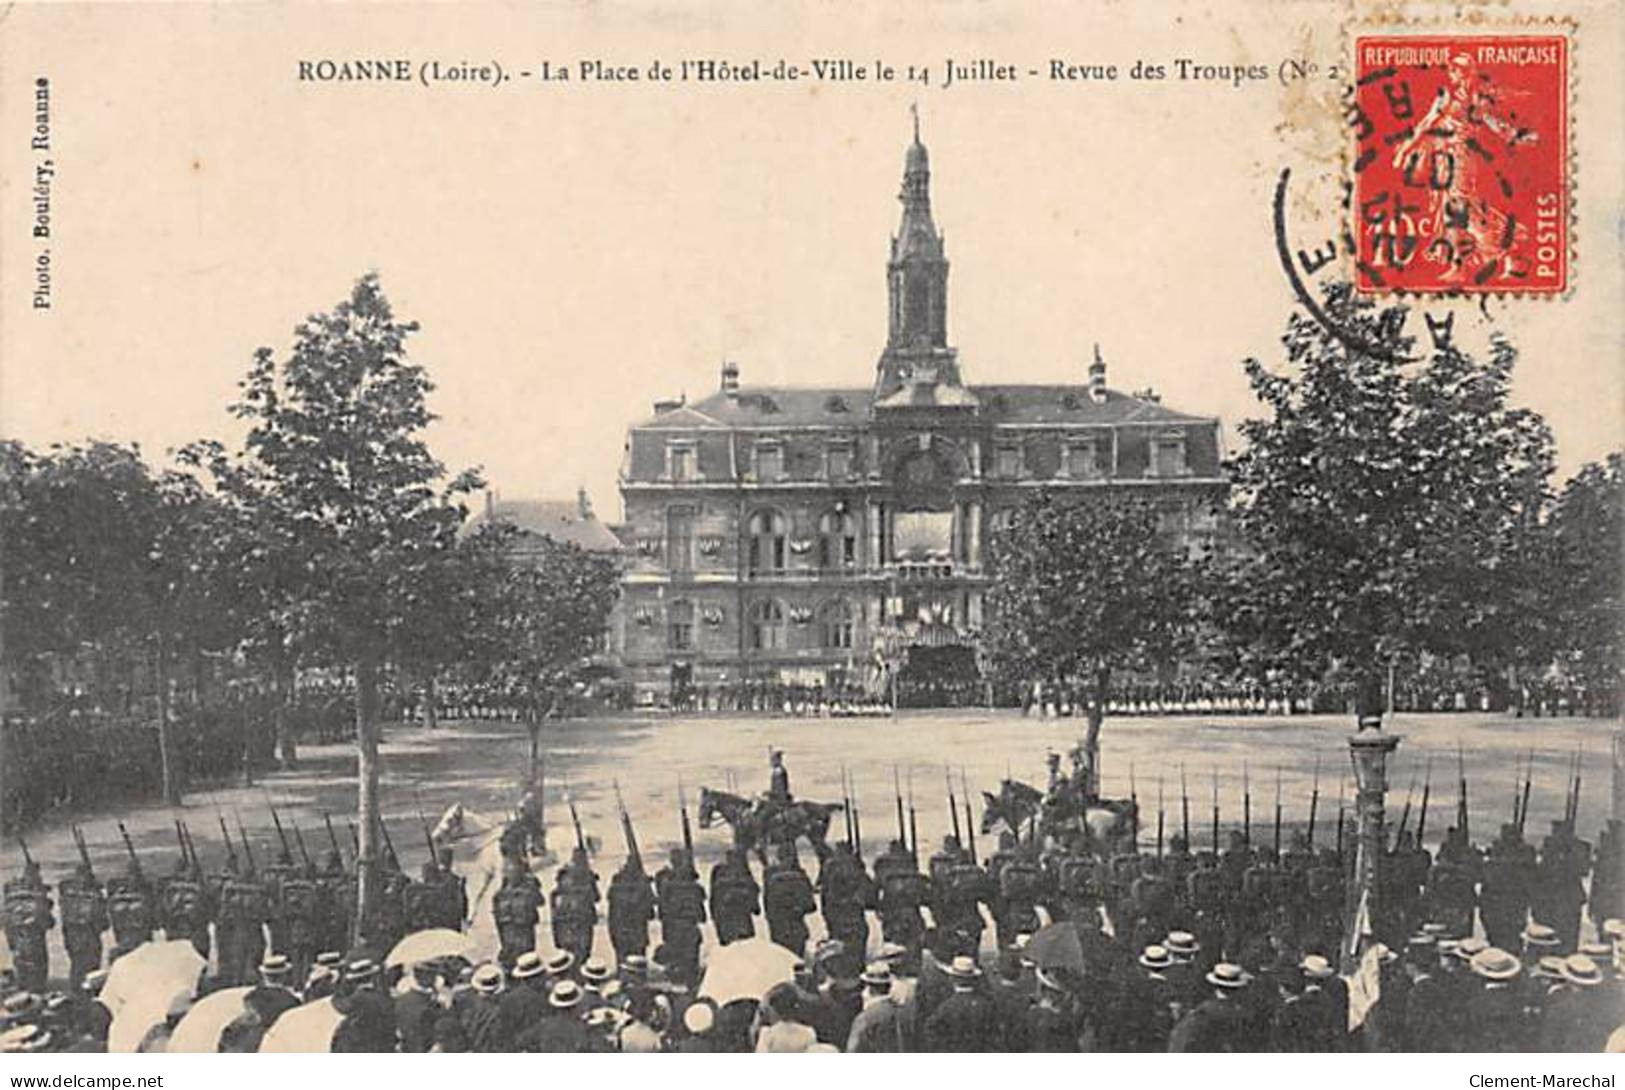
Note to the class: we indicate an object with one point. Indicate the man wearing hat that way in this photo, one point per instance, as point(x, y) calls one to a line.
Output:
point(521, 1009)
point(878, 1026)
point(595, 973)
point(27, 1037)
point(1559, 891)
point(562, 1028)
point(784, 1028)
point(1428, 1001)
point(1184, 973)
point(1504, 895)
point(1495, 1016)
point(1581, 1011)
point(699, 1024)
point(966, 1021)
point(478, 1009)
point(1220, 1023)
point(324, 975)
point(1539, 941)
point(368, 1024)
point(735, 898)
point(418, 1009)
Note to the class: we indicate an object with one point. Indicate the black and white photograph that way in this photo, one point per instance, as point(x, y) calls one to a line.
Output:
point(956, 528)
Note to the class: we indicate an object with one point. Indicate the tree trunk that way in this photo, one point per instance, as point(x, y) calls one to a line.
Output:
point(367, 776)
point(1091, 738)
point(431, 715)
point(171, 789)
point(282, 686)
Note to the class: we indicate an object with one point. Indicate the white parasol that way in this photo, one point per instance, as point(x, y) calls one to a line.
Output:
point(746, 970)
point(200, 1029)
point(309, 1028)
point(437, 942)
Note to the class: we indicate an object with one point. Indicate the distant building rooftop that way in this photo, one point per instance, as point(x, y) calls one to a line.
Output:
point(570, 522)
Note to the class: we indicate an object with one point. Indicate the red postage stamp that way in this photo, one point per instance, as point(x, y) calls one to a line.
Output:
point(1461, 164)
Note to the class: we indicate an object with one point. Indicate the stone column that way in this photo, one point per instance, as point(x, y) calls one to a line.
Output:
point(1370, 747)
point(873, 534)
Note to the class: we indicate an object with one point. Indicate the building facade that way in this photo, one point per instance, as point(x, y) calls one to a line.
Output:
point(832, 537)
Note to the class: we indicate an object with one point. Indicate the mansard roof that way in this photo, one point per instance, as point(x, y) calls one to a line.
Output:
point(561, 520)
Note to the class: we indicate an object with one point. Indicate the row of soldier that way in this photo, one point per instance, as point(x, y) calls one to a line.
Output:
point(300, 908)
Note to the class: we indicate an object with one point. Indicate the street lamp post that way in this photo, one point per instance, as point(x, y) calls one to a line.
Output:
point(1369, 747)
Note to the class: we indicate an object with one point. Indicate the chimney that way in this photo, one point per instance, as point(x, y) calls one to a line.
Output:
point(583, 503)
point(730, 379)
point(667, 404)
point(1097, 378)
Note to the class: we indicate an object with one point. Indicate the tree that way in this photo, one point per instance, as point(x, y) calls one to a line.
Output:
point(1082, 588)
point(1385, 506)
point(1587, 533)
point(541, 620)
point(335, 430)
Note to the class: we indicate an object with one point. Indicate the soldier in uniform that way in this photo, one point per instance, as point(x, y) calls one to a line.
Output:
point(1450, 897)
point(735, 898)
point(277, 872)
point(846, 893)
point(84, 918)
point(517, 908)
point(1020, 883)
point(904, 892)
point(1503, 900)
point(996, 863)
point(681, 902)
point(1078, 890)
point(1558, 894)
point(1324, 927)
point(575, 906)
point(631, 908)
point(244, 911)
point(339, 901)
point(304, 917)
point(1204, 896)
point(130, 910)
point(778, 785)
point(186, 907)
point(787, 900)
point(388, 923)
point(1152, 899)
point(28, 920)
point(1177, 866)
point(959, 917)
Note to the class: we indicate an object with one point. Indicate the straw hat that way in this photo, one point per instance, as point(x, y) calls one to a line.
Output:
point(1492, 963)
point(560, 963)
point(487, 979)
point(1469, 948)
point(877, 974)
point(1156, 956)
point(1228, 975)
point(1538, 934)
point(528, 965)
point(699, 1018)
point(1581, 970)
point(964, 968)
point(1182, 944)
point(1316, 967)
point(595, 970)
point(566, 994)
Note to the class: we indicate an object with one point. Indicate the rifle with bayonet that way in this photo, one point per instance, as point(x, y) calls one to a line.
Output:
point(1185, 809)
point(970, 826)
point(1427, 793)
point(1571, 814)
point(84, 851)
point(135, 860)
point(1314, 804)
point(1134, 805)
point(1246, 806)
point(913, 823)
point(633, 856)
point(953, 805)
point(575, 820)
point(688, 830)
point(1528, 783)
point(846, 807)
point(304, 856)
point(1159, 816)
point(231, 853)
point(1215, 811)
point(282, 837)
point(897, 790)
point(1461, 795)
point(248, 850)
point(1277, 839)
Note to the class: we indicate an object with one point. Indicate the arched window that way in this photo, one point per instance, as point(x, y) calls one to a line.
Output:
point(838, 540)
point(767, 531)
point(680, 626)
point(837, 624)
point(766, 626)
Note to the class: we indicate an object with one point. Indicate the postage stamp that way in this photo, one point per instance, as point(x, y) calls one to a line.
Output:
point(1461, 164)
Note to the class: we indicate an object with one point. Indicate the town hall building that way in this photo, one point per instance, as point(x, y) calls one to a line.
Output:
point(836, 538)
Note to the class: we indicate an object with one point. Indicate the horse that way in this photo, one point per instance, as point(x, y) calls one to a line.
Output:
point(1015, 805)
point(756, 823)
point(485, 842)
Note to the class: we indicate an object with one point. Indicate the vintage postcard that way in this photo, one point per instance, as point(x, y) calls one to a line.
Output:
point(654, 526)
